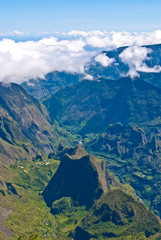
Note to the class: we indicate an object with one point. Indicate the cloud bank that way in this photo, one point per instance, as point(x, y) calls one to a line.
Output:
point(31, 60)
point(112, 40)
point(72, 52)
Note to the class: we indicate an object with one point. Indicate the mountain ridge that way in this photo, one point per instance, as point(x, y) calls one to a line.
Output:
point(92, 105)
point(25, 129)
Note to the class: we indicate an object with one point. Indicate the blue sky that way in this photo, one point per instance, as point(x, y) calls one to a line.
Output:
point(35, 16)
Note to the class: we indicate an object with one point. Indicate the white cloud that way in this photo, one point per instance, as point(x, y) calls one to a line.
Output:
point(99, 42)
point(13, 33)
point(112, 40)
point(76, 33)
point(21, 61)
point(104, 60)
point(34, 59)
point(88, 77)
point(134, 57)
point(18, 32)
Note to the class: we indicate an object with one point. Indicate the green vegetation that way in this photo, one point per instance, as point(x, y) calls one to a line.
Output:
point(117, 215)
point(25, 128)
point(91, 106)
point(85, 197)
point(134, 156)
point(22, 184)
point(27, 216)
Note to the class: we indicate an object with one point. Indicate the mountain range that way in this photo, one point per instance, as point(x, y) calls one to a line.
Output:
point(80, 159)
point(54, 81)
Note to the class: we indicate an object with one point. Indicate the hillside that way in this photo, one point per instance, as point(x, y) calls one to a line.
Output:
point(134, 156)
point(91, 106)
point(25, 130)
point(23, 213)
point(53, 82)
point(80, 192)
point(117, 216)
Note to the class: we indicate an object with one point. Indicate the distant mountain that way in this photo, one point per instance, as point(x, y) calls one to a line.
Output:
point(91, 106)
point(25, 130)
point(118, 68)
point(54, 81)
